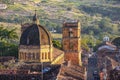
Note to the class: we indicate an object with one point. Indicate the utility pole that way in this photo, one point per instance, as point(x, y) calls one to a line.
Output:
point(105, 70)
point(118, 56)
point(41, 70)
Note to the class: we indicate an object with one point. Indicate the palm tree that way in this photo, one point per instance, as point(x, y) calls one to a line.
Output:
point(8, 34)
point(6, 45)
point(11, 34)
point(3, 33)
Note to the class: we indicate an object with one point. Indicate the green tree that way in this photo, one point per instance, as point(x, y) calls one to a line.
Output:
point(105, 22)
point(6, 1)
point(57, 44)
point(7, 47)
point(8, 34)
point(84, 44)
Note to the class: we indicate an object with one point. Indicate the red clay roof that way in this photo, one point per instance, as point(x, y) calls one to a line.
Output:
point(56, 52)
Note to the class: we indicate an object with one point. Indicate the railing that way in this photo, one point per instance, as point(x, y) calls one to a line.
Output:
point(29, 47)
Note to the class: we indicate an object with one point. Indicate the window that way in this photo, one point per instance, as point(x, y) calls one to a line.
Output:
point(45, 55)
point(37, 56)
point(33, 56)
point(70, 32)
point(42, 55)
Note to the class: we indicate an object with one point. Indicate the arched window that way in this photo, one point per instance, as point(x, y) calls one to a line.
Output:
point(33, 56)
point(27, 56)
point(48, 55)
point(42, 55)
point(37, 56)
point(45, 55)
point(70, 32)
point(24, 56)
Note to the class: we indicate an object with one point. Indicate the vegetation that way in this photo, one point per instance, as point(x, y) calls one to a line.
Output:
point(6, 34)
point(110, 11)
point(6, 1)
point(98, 17)
point(8, 46)
point(57, 44)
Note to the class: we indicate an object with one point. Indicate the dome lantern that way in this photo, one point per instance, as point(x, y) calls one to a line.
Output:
point(35, 19)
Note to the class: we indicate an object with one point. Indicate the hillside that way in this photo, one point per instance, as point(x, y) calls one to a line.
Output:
point(52, 13)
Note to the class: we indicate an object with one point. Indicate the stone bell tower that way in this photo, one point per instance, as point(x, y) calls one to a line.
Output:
point(72, 42)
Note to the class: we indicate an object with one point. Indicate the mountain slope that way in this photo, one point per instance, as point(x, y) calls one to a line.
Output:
point(52, 13)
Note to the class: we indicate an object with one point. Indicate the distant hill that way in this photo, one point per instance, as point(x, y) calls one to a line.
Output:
point(52, 13)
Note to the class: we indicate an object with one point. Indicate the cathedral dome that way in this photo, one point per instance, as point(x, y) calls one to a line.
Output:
point(35, 35)
point(35, 43)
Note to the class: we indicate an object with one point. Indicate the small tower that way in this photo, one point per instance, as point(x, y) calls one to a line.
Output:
point(72, 42)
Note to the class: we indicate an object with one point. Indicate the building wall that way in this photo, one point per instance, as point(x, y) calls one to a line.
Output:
point(35, 53)
point(59, 59)
point(72, 42)
point(46, 53)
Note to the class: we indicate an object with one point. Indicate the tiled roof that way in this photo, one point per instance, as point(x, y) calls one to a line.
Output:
point(72, 72)
point(107, 45)
point(56, 52)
